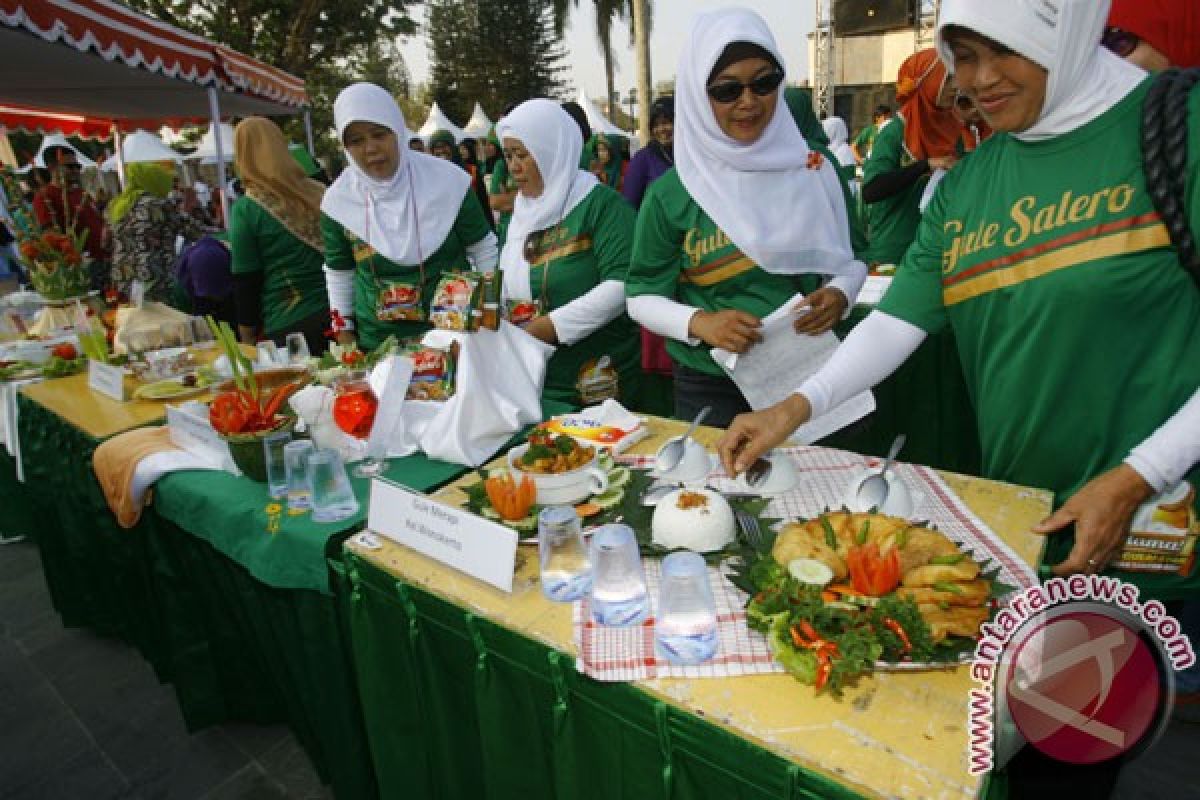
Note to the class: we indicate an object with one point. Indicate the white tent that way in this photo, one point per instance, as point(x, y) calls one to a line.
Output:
point(595, 118)
point(142, 146)
point(52, 139)
point(478, 125)
point(437, 121)
point(207, 149)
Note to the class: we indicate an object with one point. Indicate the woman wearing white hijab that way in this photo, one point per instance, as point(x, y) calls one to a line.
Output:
point(394, 221)
point(566, 254)
point(722, 239)
point(835, 129)
point(1078, 329)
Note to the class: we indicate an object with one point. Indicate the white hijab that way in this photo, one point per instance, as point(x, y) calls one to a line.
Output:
point(1063, 36)
point(835, 129)
point(405, 218)
point(554, 141)
point(786, 217)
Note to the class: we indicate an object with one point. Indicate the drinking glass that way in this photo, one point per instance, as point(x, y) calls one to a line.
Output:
point(354, 407)
point(566, 570)
point(267, 354)
point(332, 496)
point(273, 457)
point(297, 349)
point(685, 628)
point(295, 463)
point(618, 583)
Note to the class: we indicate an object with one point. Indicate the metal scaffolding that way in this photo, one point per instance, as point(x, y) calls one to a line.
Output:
point(823, 59)
point(925, 22)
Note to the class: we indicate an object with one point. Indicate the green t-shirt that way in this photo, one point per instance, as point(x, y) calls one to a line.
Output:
point(1078, 330)
point(865, 140)
point(590, 246)
point(293, 283)
point(892, 222)
point(680, 253)
point(501, 182)
point(345, 251)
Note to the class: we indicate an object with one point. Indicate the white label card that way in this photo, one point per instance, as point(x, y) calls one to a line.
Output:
point(194, 434)
point(107, 380)
point(472, 545)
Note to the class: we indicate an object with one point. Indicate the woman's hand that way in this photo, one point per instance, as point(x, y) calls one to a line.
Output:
point(1102, 512)
point(750, 436)
point(730, 330)
point(542, 328)
point(824, 308)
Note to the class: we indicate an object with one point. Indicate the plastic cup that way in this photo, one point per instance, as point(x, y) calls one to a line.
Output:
point(297, 349)
point(273, 457)
point(685, 628)
point(618, 583)
point(295, 461)
point(333, 497)
point(566, 569)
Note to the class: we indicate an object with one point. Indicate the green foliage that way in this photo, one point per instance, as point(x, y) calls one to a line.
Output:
point(494, 52)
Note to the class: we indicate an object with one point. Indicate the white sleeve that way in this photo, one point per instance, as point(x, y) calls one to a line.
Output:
point(1172, 450)
point(850, 285)
point(588, 313)
point(484, 254)
point(873, 350)
point(663, 316)
point(339, 284)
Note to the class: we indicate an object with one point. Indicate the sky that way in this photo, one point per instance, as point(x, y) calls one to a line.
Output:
point(790, 20)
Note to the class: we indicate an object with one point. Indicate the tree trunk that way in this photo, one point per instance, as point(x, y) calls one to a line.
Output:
point(641, 40)
point(609, 81)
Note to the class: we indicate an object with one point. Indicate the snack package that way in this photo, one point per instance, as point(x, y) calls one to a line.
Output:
point(518, 312)
point(457, 302)
point(433, 372)
point(597, 381)
point(1162, 537)
point(398, 301)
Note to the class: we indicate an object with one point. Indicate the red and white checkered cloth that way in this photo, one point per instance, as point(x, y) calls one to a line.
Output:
point(627, 654)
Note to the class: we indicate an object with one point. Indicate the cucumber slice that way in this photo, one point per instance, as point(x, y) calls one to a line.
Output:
point(810, 571)
point(498, 472)
point(525, 524)
point(609, 499)
point(489, 512)
point(618, 477)
point(605, 461)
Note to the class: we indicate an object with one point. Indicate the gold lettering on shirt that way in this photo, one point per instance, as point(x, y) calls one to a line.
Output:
point(698, 248)
point(982, 237)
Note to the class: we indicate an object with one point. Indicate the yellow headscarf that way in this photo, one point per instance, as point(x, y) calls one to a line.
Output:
point(140, 178)
point(274, 179)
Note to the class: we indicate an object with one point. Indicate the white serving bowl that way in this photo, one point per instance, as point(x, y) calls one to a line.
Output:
point(783, 478)
point(899, 502)
point(562, 488)
point(702, 529)
point(692, 470)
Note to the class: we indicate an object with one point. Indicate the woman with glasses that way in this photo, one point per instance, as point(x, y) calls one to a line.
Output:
point(921, 138)
point(1077, 326)
point(565, 259)
point(1155, 34)
point(393, 222)
point(724, 238)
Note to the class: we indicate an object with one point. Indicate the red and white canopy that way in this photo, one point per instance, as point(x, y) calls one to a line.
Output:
point(82, 66)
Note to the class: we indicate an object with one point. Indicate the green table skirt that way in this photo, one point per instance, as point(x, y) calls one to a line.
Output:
point(458, 707)
point(16, 512)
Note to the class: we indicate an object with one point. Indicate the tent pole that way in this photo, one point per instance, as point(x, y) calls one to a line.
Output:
point(214, 110)
point(312, 151)
point(120, 145)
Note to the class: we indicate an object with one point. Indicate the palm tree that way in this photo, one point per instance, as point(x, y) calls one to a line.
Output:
point(607, 12)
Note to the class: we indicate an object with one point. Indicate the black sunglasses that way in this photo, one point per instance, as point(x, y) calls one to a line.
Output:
point(1120, 41)
point(729, 91)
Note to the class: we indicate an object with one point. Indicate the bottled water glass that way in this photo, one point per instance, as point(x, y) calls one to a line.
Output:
point(295, 463)
point(566, 569)
point(333, 497)
point(685, 630)
point(618, 583)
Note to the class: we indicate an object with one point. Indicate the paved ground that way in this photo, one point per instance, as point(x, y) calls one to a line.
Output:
point(84, 718)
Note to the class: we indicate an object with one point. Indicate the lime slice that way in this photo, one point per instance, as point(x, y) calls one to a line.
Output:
point(618, 477)
point(609, 499)
point(810, 571)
